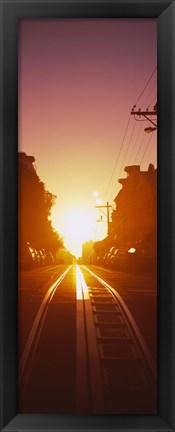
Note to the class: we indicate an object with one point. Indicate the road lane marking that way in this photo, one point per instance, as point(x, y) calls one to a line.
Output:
point(86, 325)
point(131, 320)
point(46, 300)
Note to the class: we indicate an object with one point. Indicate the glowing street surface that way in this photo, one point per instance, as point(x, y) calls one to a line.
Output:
point(79, 326)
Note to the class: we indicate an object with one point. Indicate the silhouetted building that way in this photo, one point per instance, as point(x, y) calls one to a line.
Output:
point(135, 217)
point(88, 252)
point(26, 162)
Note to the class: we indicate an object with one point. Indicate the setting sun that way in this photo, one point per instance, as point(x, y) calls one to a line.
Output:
point(79, 226)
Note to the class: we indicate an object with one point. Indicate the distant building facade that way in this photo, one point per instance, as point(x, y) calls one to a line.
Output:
point(88, 252)
point(26, 162)
point(135, 217)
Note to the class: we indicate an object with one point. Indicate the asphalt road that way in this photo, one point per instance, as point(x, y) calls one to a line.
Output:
point(47, 330)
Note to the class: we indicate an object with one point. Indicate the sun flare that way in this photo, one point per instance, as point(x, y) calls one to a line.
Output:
point(79, 226)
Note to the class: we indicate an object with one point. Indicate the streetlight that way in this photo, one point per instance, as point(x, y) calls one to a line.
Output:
point(150, 129)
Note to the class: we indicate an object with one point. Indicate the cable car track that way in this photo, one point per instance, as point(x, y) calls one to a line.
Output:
point(120, 369)
point(35, 332)
point(113, 368)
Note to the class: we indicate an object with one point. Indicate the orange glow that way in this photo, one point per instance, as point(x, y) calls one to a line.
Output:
point(79, 294)
point(77, 226)
point(81, 287)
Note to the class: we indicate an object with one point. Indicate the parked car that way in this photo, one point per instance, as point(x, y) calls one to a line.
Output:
point(118, 258)
point(140, 257)
point(49, 259)
point(109, 255)
point(42, 257)
point(104, 258)
point(37, 258)
point(26, 256)
point(100, 258)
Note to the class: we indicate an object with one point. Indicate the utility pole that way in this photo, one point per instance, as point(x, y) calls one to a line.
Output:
point(107, 206)
point(145, 114)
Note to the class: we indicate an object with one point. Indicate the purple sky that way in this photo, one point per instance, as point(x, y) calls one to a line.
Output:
point(78, 80)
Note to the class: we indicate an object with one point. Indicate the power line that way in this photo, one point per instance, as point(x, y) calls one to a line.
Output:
point(144, 136)
point(113, 191)
point(152, 100)
point(124, 157)
point(148, 95)
point(146, 149)
point(155, 162)
point(110, 180)
point(137, 156)
point(134, 146)
point(117, 156)
point(146, 85)
point(127, 149)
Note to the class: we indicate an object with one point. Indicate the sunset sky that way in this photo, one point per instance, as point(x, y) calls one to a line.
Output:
point(78, 81)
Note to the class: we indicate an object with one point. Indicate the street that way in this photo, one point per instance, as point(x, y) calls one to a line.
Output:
point(87, 341)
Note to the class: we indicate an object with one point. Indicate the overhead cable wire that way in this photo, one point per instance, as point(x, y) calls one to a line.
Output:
point(155, 162)
point(134, 146)
point(149, 94)
point(127, 126)
point(152, 100)
point(124, 156)
point(113, 191)
point(146, 148)
point(146, 85)
point(126, 152)
point(131, 135)
point(136, 156)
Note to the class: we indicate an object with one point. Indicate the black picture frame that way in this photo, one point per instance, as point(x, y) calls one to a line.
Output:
point(11, 11)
